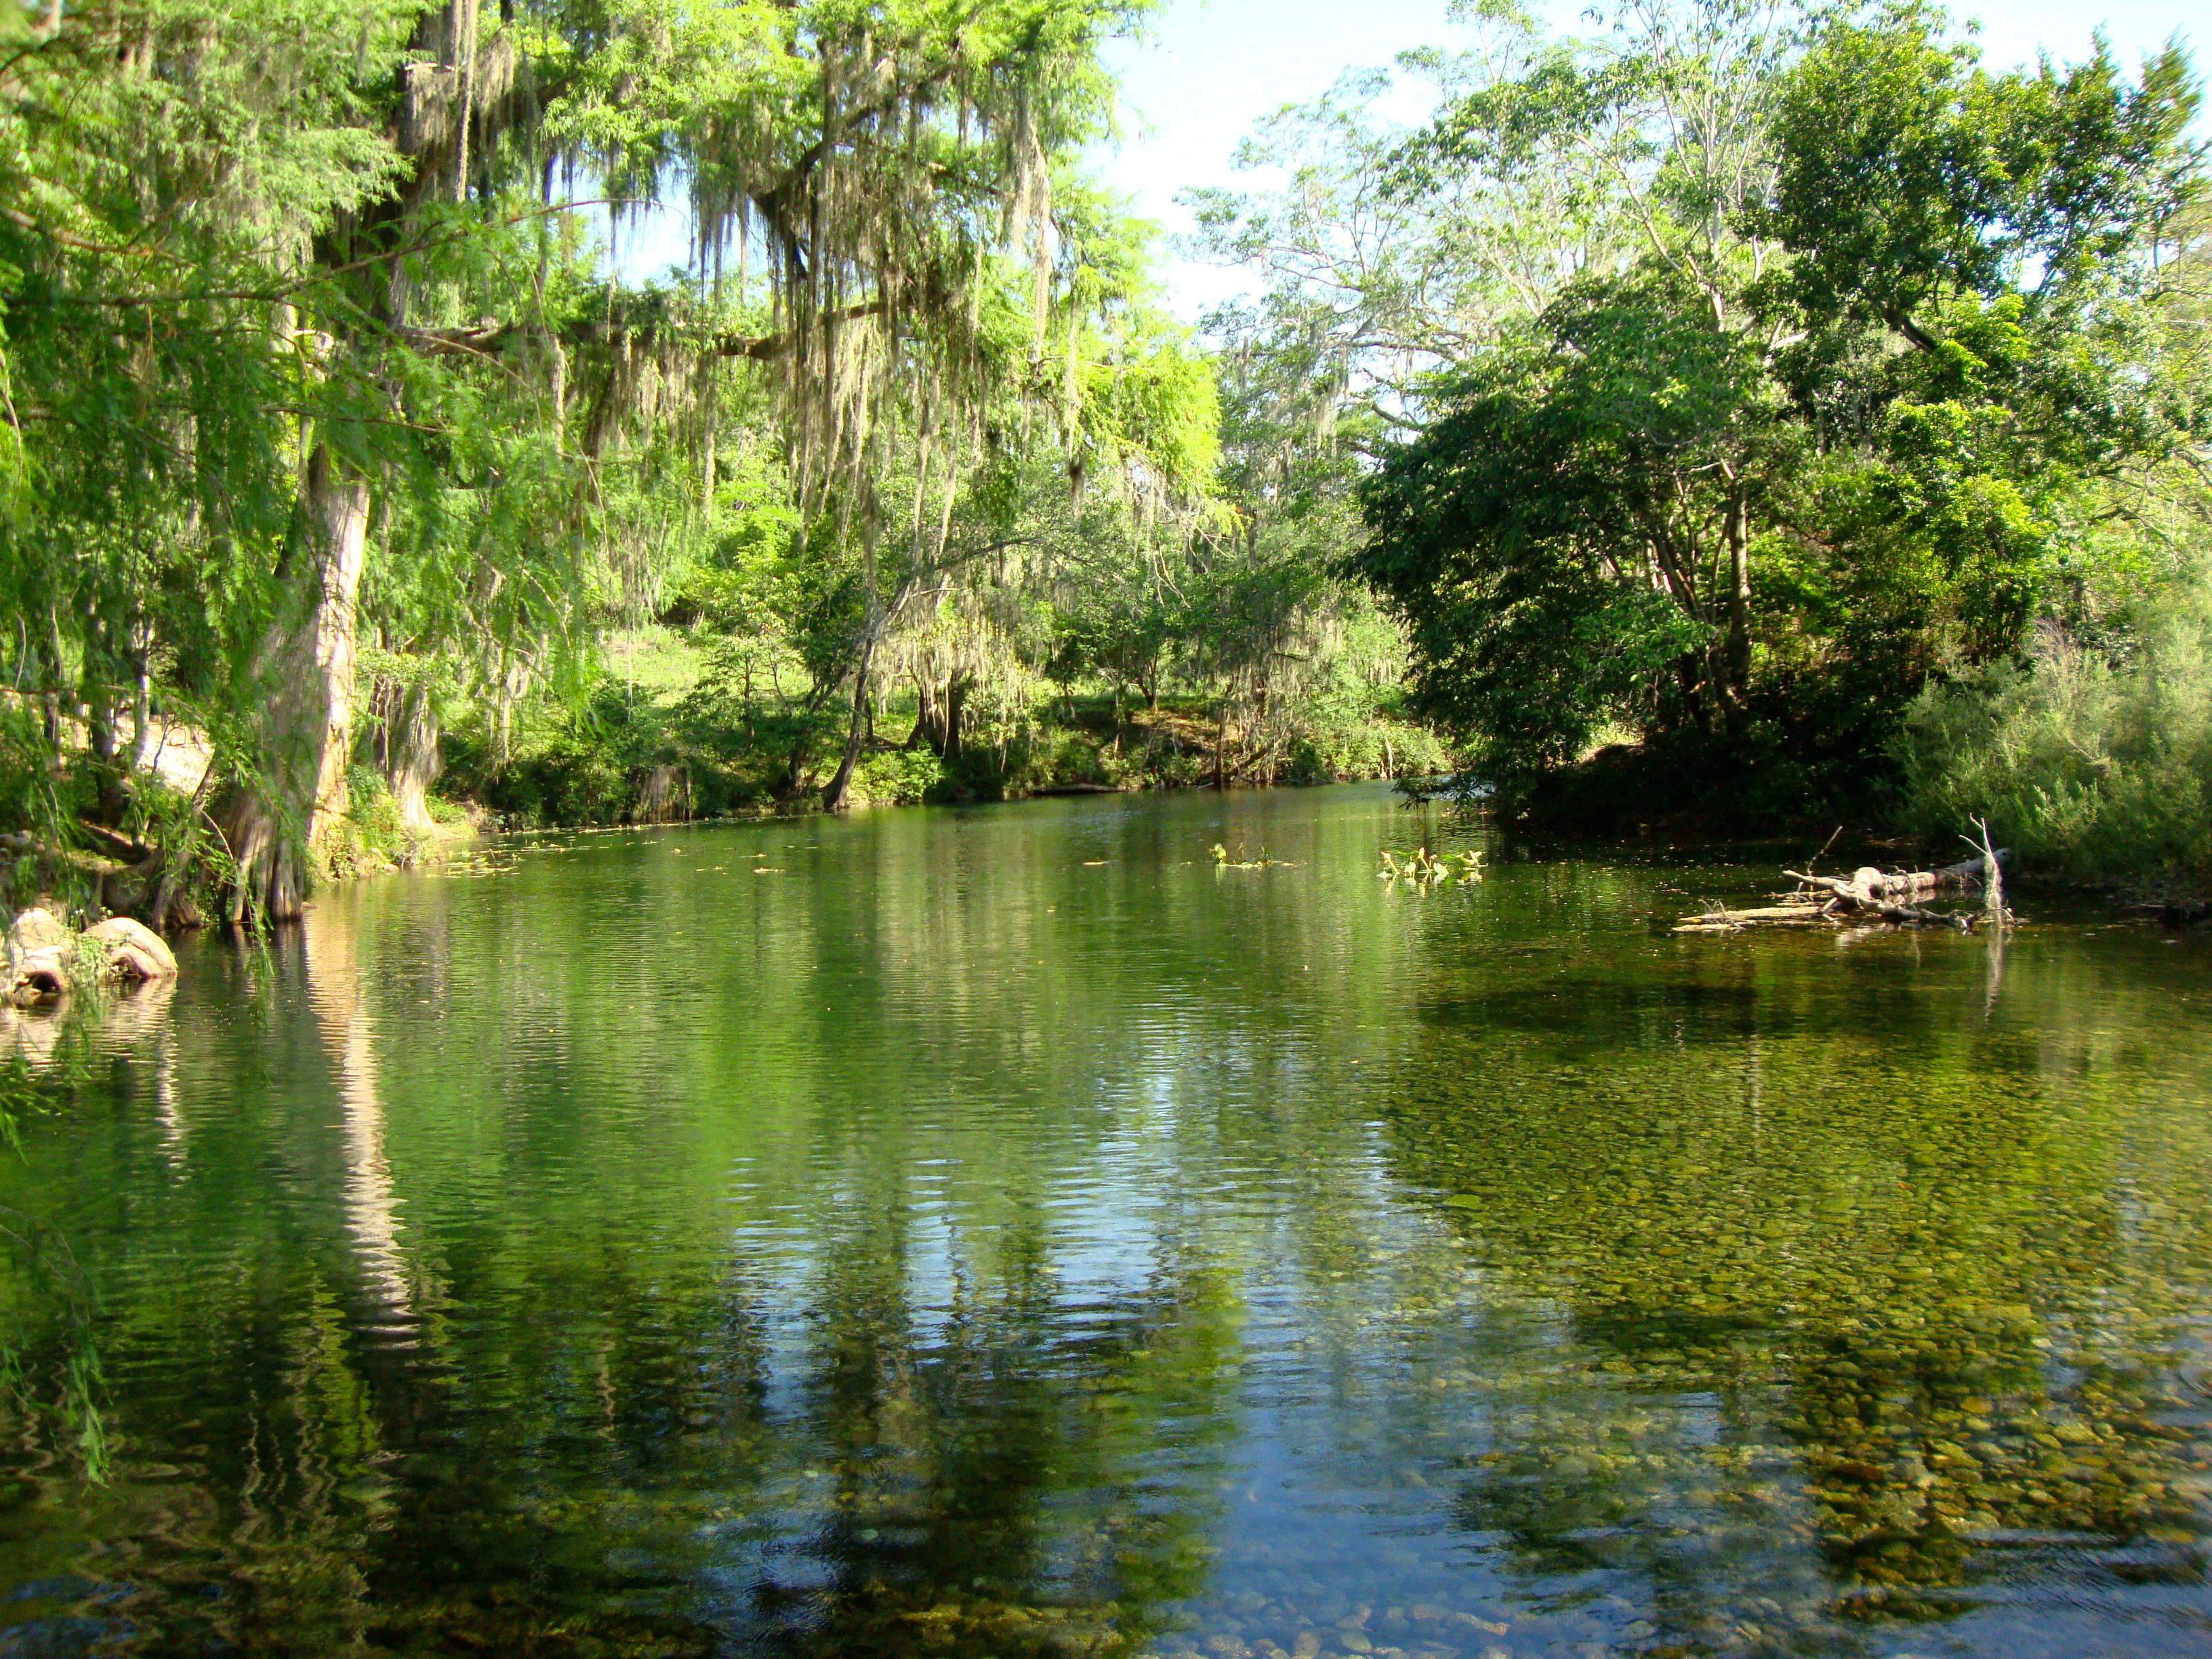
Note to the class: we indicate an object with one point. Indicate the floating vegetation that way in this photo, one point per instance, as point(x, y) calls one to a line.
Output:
point(1423, 870)
point(496, 861)
point(1223, 861)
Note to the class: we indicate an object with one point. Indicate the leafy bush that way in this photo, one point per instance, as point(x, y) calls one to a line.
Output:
point(1162, 761)
point(567, 766)
point(898, 777)
point(2087, 767)
point(1364, 749)
point(370, 837)
point(591, 761)
point(1057, 759)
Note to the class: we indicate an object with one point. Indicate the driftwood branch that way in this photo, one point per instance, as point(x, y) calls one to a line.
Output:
point(1867, 894)
point(1992, 875)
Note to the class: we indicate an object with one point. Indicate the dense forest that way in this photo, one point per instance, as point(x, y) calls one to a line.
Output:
point(1738, 415)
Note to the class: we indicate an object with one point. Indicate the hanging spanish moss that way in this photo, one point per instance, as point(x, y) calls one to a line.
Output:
point(365, 465)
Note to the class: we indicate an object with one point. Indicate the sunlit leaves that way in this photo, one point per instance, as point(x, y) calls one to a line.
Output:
point(1879, 324)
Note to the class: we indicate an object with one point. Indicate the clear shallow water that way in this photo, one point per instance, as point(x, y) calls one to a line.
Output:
point(1003, 1233)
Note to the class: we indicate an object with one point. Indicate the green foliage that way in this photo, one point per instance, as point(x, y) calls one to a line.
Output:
point(581, 763)
point(899, 777)
point(1907, 176)
point(270, 283)
point(371, 837)
point(1374, 748)
point(1842, 402)
point(276, 287)
point(2091, 768)
point(1505, 533)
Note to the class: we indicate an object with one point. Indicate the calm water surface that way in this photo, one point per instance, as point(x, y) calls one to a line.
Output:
point(1004, 1233)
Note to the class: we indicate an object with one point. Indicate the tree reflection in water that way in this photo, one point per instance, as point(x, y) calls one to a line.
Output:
point(1001, 1236)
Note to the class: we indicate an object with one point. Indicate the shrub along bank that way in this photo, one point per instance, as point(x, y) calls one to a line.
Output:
point(669, 735)
point(2094, 764)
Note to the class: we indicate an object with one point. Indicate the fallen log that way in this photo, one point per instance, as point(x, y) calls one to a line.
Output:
point(1968, 871)
point(1868, 888)
point(128, 848)
point(1867, 892)
point(2173, 914)
point(84, 863)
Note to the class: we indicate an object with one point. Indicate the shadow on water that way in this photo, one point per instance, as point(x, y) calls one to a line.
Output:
point(1005, 1233)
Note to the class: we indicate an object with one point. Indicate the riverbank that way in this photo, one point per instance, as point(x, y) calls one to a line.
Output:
point(671, 746)
point(2114, 802)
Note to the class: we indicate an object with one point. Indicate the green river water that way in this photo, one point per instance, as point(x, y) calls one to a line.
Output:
point(1002, 1233)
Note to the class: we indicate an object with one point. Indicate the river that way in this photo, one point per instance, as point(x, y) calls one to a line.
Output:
point(1004, 1232)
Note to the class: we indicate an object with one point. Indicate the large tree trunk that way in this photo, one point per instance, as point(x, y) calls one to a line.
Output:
point(273, 820)
point(1690, 680)
point(928, 727)
point(942, 712)
point(408, 752)
point(99, 700)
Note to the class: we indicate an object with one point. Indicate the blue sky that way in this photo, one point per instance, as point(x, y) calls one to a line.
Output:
point(1213, 68)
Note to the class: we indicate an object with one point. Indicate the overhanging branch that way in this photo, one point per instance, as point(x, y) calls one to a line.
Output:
point(489, 335)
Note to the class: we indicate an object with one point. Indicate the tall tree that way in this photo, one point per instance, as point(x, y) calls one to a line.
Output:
point(341, 230)
point(1876, 323)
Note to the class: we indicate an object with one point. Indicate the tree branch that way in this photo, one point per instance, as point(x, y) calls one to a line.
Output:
point(485, 336)
point(1903, 323)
